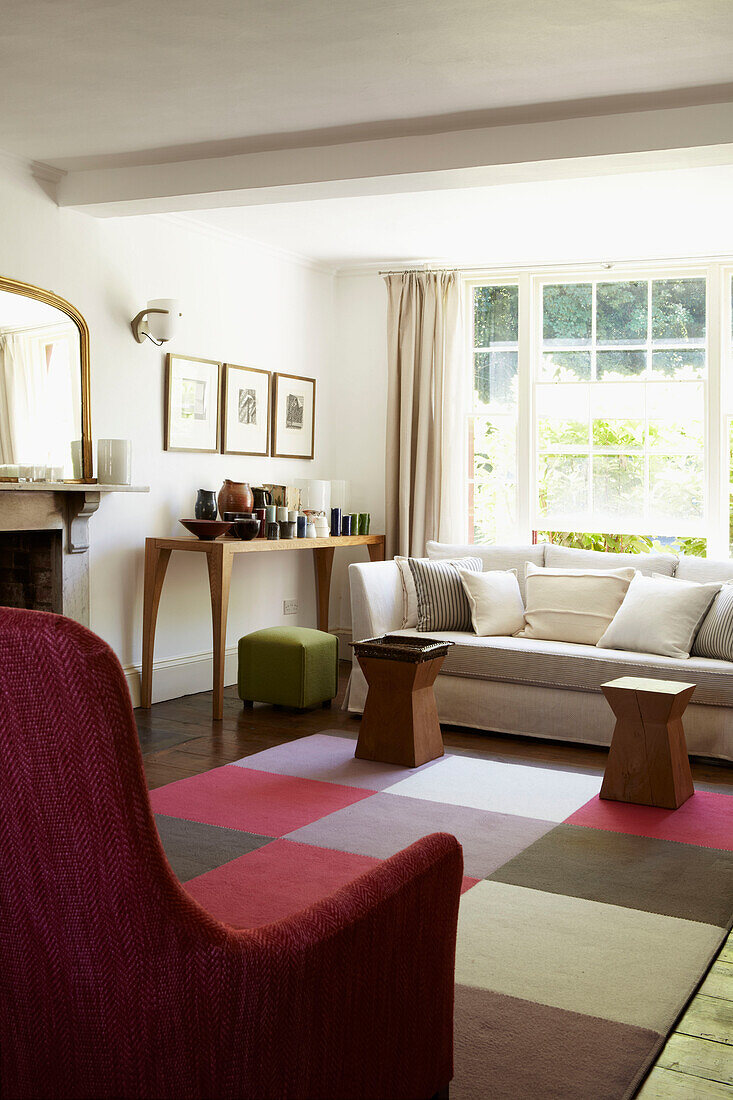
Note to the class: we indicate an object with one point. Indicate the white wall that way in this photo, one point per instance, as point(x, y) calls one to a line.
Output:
point(358, 394)
point(241, 304)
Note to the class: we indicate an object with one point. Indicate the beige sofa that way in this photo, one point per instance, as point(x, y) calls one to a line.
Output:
point(542, 688)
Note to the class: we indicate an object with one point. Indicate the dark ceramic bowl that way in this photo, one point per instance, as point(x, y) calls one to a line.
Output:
point(232, 517)
point(206, 528)
point(246, 529)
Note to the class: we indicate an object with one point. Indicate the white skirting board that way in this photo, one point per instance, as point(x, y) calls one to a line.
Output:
point(184, 675)
point(193, 672)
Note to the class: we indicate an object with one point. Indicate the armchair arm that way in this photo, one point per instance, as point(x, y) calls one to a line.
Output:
point(353, 997)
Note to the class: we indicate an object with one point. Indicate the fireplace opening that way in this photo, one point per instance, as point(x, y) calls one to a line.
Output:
point(30, 570)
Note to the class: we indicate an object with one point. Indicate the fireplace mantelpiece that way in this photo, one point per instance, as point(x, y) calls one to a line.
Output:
point(65, 507)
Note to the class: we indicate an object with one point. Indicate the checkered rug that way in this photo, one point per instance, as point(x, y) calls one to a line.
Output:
point(585, 926)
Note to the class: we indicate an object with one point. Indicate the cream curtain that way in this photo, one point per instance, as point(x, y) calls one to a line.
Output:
point(425, 411)
point(22, 380)
point(40, 395)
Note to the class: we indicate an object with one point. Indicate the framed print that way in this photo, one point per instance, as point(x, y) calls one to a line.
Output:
point(294, 420)
point(245, 410)
point(191, 404)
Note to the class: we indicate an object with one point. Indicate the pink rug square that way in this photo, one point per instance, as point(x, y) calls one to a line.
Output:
point(274, 881)
point(706, 819)
point(255, 801)
point(278, 879)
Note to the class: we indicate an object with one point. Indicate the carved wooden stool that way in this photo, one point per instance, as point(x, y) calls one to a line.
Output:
point(400, 721)
point(648, 762)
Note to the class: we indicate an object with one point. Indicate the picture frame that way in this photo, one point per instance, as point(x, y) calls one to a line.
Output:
point(246, 410)
point(294, 416)
point(192, 404)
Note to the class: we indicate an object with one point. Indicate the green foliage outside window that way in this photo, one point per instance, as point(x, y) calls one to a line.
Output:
point(671, 313)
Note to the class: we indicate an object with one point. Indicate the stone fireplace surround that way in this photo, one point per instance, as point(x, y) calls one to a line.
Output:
point(44, 544)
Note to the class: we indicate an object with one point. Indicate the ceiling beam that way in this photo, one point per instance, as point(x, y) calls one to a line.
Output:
point(641, 140)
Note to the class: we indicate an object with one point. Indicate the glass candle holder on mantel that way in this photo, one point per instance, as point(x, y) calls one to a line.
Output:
point(315, 495)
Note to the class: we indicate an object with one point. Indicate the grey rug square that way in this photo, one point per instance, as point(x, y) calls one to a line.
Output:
point(193, 848)
point(657, 876)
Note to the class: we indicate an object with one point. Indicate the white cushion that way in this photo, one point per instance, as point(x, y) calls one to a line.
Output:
point(495, 601)
point(409, 594)
point(659, 615)
point(492, 556)
point(566, 557)
point(573, 605)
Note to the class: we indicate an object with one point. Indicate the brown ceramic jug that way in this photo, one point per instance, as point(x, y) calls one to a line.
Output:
point(235, 496)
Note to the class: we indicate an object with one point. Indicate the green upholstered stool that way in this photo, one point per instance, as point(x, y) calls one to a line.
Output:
point(289, 665)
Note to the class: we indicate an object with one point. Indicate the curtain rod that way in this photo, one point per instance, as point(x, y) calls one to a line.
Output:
point(571, 265)
point(429, 269)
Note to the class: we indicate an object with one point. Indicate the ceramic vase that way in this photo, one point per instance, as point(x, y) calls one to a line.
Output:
point(235, 496)
point(259, 513)
point(205, 506)
point(263, 497)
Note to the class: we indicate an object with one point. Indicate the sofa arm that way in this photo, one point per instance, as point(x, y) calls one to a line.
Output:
point(353, 997)
point(376, 599)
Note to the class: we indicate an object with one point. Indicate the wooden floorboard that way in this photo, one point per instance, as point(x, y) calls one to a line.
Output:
point(179, 739)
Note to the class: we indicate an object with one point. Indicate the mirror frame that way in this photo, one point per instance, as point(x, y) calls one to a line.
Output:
point(27, 290)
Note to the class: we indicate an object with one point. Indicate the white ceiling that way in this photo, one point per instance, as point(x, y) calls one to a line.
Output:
point(642, 215)
point(86, 78)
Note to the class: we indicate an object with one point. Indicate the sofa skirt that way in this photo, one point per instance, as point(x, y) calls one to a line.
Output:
point(557, 714)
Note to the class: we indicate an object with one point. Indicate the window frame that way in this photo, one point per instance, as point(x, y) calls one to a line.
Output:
point(718, 383)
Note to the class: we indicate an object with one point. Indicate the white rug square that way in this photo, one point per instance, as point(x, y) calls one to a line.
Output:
point(539, 793)
point(585, 956)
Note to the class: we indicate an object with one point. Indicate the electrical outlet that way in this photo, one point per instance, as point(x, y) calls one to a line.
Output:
point(290, 607)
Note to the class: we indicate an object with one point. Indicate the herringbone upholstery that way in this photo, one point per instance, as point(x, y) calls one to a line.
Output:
point(115, 983)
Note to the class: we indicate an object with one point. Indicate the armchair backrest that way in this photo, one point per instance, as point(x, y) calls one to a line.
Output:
point(87, 896)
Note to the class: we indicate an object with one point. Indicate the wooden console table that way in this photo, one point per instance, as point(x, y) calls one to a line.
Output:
point(219, 554)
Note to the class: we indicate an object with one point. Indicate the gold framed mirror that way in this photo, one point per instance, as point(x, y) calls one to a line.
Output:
point(45, 415)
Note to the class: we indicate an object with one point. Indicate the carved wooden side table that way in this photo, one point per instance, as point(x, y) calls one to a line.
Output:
point(400, 721)
point(648, 762)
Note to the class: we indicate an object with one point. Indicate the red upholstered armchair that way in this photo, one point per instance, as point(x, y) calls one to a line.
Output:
point(115, 983)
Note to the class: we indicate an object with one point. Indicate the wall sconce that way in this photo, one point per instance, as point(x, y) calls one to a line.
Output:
point(158, 322)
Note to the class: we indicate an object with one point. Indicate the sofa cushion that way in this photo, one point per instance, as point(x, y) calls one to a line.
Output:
point(495, 601)
point(715, 636)
point(565, 557)
point(492, 557)
point(703, 570)
point(409, 592)
point(577, 667)
point(442, 603)
point(573, 605)
point(660, 615)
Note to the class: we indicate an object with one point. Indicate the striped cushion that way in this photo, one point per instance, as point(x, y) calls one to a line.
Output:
point(715, 636)
point(442, 603)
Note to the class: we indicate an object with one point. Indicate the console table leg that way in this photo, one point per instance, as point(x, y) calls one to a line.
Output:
point(156, 563)
point(376, 551)
point(323, 562)
point(219, 562)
